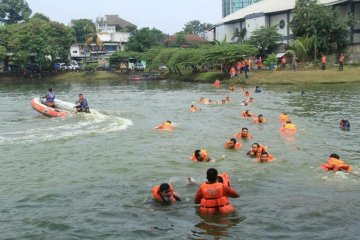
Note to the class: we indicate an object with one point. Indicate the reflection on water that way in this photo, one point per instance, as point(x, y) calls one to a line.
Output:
point(215, 226)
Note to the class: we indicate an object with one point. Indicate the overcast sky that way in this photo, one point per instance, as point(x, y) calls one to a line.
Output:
point(169, 16)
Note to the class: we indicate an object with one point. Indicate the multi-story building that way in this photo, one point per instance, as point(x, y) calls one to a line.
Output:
point(230, 6)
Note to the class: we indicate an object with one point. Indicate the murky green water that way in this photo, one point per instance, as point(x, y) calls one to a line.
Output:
point(91, 177)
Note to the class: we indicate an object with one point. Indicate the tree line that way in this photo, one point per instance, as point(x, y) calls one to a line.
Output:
point(317, 29)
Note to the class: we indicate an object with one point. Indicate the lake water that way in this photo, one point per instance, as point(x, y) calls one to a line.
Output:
point(90, 177)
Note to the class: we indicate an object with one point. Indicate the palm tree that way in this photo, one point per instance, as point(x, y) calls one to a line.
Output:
point(93, 39)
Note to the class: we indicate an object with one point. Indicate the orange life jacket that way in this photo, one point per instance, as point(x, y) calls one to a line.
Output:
point(256, 120)
point(283, 118)
point(204, 154)
point(270, 157)
point(245, 115)
point(323, 59)
point(226, 178)
point(236, 147)
point(166, 126)
point(213, 200)
point(217, 83)
point(157, 197)
point(239, 135)
point(334, 164)
point(289, 127)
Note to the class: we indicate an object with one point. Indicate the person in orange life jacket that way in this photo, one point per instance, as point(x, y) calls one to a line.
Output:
point(165, 126)
point(256, 150)
point(193, 108)
point(247, 113)
point(283, 117)
point(212, 195)
point(232, 144)
point(165, 194)
point(200, 156)
point(83, 105)
point(217, 83)
point(244, 134)
point(341, 61)
point(323, 62)
point(288, 127)
point(50, 98)
point(334, 163)
point(265, 157)
point(260, 119)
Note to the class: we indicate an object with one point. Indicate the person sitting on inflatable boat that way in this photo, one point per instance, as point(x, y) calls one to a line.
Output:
point(200, 156)
point(164, 193)
point(232, 144)
point(165, 126)
point(244, 134)
point(83, 105)
point(334, 163)
point(50, 98)
point(213, 196)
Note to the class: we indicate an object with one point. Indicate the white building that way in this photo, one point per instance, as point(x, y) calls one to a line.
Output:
point(277, 12)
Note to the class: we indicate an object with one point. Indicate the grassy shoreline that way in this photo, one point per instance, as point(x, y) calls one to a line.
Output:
point(350, 74)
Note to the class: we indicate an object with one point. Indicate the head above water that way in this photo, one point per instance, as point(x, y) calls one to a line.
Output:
point(165, 192)
point(211, 175)
point(50, 89)
point(334, 155)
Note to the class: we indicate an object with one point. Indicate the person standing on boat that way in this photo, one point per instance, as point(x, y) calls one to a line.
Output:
point(50, 98)
point(83, 105)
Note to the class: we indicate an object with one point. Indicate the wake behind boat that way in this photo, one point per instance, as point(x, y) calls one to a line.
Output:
point(62, 108)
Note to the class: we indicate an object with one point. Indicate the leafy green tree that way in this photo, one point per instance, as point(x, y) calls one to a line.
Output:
point(82, 28)
point(40, 16)
point(322, 23)
point(37, 39)
point(196, 27)
point(14, 11)
point(145, 38)
point(265, 39)
point(239, 36)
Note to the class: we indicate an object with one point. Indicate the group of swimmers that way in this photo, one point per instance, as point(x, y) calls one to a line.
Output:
point(213, 194)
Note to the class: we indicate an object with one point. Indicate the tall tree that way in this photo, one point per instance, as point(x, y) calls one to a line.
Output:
point(323, 24)
point(265, 39)
point(196, 27)
point(14, 11)
point(82, 28)
point(145, 38)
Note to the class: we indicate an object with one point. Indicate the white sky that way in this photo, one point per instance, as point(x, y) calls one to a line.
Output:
point(169, 16)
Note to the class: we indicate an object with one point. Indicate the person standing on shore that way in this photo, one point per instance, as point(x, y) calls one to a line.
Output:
point(323, 62)
point(293, 63)
point(341, 61)
point(283, 62)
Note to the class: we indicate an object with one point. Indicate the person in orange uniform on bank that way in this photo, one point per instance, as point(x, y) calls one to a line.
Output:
point(165, 126)
point(232, 144)
point(213, 196)
point(323, 62)
point(164, 193)
point(334, 163)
